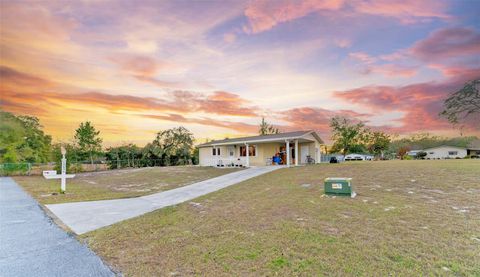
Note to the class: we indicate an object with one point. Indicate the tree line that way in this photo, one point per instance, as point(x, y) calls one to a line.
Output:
point(22, 139)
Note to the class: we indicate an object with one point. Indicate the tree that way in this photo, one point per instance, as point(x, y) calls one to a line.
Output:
point(378, 142)
point(172, 147)
point(402, 151)
point(88, 140)
point(463, 104)
point(267, 129)
point(23, 140)
point(348, 137)
point(126, 155)
point(72, 165)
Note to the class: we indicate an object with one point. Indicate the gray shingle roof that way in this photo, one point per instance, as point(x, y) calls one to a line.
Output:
point(474, 145)
point(287, 135)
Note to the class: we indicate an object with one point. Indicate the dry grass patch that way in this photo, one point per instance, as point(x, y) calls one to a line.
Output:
point(117, 183)
point(410, 218)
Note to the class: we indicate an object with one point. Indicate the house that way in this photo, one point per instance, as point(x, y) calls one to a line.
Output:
point(473, 149)
point(445, 152)
point(292, 148)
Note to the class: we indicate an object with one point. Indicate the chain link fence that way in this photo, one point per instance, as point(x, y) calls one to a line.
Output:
point(16, 169)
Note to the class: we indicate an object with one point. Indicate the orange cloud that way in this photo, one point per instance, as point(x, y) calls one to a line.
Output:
point(144, 68)
point(13, 78)
point(219, 102)
point(236, 126)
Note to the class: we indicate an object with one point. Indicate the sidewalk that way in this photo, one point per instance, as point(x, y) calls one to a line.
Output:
point(82, 217)
point(32, 245)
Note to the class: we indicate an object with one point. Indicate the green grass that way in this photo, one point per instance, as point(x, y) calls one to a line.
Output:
point(117, 183)
point(410, 218)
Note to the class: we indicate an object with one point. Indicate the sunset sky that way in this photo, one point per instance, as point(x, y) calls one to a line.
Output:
point(216, 67)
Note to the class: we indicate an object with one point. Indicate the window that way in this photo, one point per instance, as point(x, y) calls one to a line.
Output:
point(431, 153)
point(231, 151)
point(452, 153)
point(215, 151)
point(252, 151)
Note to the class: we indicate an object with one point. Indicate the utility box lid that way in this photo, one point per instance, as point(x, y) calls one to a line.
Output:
point(339, 186)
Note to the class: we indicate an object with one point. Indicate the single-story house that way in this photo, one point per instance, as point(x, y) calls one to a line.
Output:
point(473, 149)
point(291, 148)
point(445, 152)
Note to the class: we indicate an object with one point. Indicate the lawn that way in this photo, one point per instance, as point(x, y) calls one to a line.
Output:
point(117, 183)
point(410, 218)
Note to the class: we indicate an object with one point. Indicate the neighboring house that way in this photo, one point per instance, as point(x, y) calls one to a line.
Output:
point(473, 149)
point(358, 157)
point(292, 148)
point(445, 152)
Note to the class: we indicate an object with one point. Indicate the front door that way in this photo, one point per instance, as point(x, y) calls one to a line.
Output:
point(304, 153)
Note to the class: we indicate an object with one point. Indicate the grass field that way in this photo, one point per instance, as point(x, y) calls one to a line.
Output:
point(410, 218)
point(117, 183)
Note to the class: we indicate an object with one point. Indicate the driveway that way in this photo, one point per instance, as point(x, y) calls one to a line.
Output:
point(82, 217)
point(32, 245)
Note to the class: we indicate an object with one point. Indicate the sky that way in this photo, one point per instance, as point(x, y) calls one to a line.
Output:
point(134, 68)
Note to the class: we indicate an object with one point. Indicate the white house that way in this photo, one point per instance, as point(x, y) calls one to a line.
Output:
point(292, 148)
point(445, 152)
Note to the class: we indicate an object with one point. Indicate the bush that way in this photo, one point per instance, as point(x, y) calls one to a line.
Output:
point(7, 169)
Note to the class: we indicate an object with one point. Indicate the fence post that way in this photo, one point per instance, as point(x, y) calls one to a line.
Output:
point(29, 168)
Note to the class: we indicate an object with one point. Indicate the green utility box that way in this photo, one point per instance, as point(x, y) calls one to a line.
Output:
point(339, 186)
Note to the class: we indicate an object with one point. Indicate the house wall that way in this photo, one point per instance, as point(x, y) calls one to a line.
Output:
point(442, 153)
point(264, 151)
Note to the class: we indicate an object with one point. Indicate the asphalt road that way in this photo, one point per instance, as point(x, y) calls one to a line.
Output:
point(32, 245)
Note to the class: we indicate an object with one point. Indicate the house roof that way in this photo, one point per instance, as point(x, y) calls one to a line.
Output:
point(264, 138)
point(444, 146)
point(474, 145)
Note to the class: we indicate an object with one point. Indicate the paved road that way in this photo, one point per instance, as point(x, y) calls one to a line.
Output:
point(32, 245)
point(82, 217)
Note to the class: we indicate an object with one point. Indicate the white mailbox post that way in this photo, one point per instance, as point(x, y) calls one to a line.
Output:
point(52, 174)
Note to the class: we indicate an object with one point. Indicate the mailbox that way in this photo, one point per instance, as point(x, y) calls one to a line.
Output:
point(49, 172)
point(339, 186)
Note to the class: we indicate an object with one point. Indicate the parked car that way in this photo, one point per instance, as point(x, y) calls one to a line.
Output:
point(354, 157)
point(333, 160)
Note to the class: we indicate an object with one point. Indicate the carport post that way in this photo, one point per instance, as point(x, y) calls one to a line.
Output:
point(296, 152)
point(287, 143)
point(247, 163)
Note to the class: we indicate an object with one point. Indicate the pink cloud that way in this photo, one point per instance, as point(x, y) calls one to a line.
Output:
point(420, 102)
point(407, 11)
point(366, 64)
point(447, 43)
point(315, 118)
point(263, 15)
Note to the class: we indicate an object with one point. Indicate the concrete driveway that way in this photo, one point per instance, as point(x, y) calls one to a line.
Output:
point(82, 217)
point(32, 245)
